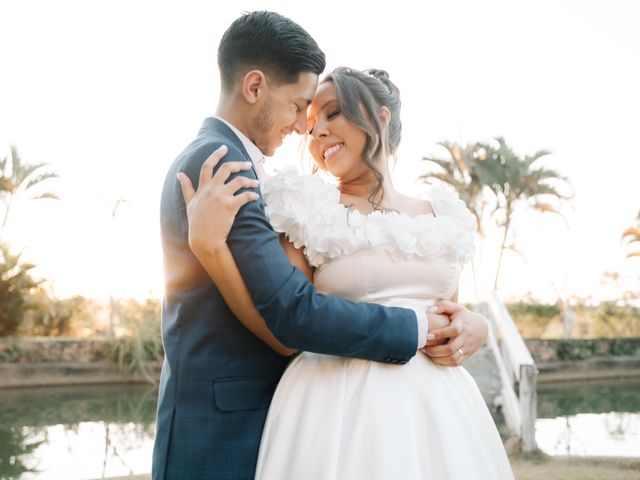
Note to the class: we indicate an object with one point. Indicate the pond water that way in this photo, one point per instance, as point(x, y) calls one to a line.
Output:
point(91, 432)
point(590, 418)
point(84, 432)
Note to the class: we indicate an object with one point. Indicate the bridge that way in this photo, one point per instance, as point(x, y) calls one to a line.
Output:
point(507, 376)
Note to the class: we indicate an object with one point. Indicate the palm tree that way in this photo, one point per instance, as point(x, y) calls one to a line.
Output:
point(16, 284)
point(632, 237)
point(495, 181)
point(466, 172)
point(518, 180)
point(18, 178)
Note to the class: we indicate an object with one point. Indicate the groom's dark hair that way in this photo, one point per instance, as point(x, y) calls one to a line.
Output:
point(270, 42)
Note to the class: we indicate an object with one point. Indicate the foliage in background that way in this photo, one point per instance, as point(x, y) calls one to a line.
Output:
point(139, 350)
point(466, 171)
point(20, 178)
point(495, 182)
point(16, 284)
point(533, 319)
point(610, 319)
point(631, 237)
point(580, 349)
point(50, 316)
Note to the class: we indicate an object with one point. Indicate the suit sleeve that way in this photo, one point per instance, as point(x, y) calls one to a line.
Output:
point(299, 316)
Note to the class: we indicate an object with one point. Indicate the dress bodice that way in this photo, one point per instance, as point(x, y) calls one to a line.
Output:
point(381, 257)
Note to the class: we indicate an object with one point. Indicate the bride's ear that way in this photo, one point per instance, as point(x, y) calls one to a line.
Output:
point(385, 116)
point(254, 86)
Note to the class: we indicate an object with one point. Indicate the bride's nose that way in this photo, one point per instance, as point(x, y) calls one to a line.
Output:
point(320, 130)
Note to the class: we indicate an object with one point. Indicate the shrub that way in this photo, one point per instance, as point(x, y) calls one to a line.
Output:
point(15, 286)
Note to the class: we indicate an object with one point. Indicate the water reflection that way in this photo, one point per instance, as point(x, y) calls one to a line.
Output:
point(101, 431)
point(76, 432)
point(590, 418)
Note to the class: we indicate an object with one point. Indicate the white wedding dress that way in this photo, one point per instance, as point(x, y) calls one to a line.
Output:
point(334, 418)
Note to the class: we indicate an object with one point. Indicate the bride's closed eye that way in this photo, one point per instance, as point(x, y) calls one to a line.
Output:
point(330, 116)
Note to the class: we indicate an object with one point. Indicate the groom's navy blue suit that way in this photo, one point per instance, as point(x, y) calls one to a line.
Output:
point(218, 379)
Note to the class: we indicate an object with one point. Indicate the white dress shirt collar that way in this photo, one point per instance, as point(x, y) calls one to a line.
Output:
point(254, 152)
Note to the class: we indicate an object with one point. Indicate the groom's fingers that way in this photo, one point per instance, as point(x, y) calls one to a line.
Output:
point(187, 188)
point(206, 171)
point(454, 343)
point(453, 330)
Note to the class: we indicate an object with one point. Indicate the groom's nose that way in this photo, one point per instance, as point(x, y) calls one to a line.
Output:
point(300, 125)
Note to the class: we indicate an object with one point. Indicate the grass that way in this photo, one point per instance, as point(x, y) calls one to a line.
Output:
point(539, 466)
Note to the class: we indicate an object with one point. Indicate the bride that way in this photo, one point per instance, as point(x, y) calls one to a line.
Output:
point(345, 418)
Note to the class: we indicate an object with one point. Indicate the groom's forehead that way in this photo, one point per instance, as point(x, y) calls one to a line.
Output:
point(304, 89)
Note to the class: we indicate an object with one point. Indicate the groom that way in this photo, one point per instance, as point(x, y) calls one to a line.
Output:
point(217, 378)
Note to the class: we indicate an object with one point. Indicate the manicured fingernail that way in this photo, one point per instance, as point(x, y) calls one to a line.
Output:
point(222, 148)
point(432, 309)
point(430, 336)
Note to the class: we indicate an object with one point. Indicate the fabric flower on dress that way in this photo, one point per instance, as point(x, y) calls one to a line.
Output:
point(308, 210)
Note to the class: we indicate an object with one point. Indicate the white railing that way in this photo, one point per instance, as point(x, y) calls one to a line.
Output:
point(515, 365)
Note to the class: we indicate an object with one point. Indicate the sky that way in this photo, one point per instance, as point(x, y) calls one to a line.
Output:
point(109, 93)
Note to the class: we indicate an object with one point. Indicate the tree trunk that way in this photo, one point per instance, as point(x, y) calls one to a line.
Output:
point(507, 223)
point(6, 212)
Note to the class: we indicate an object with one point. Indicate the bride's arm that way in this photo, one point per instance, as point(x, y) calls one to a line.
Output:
point(215, 255)
point(296, 257)
point(221, 267)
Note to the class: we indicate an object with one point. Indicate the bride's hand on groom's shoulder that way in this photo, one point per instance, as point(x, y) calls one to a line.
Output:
point(466, 333)
point(211, 209)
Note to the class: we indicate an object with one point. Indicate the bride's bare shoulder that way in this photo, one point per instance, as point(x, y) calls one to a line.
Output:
point(414, 206)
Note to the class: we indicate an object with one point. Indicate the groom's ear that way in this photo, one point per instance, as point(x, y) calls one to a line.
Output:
point(254, 86)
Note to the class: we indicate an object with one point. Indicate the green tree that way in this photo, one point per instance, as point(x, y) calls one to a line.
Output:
point(15, 286)
point(631, 236)
point(19, 178)
point(51, 316)
point(519, 181)
point(495, 182)
point(465, 170)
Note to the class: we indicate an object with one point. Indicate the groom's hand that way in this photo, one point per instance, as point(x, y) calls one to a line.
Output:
point(437, 321)
point(467, 333)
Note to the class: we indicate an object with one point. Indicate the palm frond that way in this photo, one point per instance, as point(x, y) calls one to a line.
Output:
point(633, 233)
point(40, 178)
point(546, 208)
point(443, 177)
point(46, 195)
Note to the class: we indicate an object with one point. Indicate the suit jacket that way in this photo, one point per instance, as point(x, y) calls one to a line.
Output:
point(217, 378)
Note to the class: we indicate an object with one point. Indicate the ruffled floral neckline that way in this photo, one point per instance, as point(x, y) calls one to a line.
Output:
point(308, 210)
